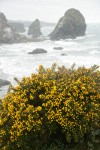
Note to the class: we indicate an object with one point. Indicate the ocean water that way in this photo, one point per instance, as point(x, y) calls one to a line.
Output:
point(16, 62)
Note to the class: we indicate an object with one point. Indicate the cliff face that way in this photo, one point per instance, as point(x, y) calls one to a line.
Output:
point(71, 25)
point(34, 29)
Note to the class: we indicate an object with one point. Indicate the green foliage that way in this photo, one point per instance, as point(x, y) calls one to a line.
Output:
point(56, 103)
point(57, 145)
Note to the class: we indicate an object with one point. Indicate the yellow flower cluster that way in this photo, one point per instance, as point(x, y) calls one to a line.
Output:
point(65, 97)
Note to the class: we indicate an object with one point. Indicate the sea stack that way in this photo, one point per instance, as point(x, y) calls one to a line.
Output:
point(70, 26)
point(34, 29)
point(6, 32)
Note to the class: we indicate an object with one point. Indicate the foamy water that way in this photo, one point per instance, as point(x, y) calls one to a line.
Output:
point(16, 62)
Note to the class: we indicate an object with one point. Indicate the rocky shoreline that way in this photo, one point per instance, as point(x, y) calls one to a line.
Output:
point(70, 26)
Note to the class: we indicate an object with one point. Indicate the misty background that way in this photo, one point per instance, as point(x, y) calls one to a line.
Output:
point(49, 10)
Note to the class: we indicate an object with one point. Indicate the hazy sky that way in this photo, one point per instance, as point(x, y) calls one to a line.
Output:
point(49, 10)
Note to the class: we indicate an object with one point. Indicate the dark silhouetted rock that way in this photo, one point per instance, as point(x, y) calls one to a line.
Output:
point(63, 54)
point(70, 26)
point(38, 51)
point(4, 83)
point(17, 27)
point(34, 29)
point(58, 48)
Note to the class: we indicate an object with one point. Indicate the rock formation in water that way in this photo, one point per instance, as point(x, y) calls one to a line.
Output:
point(71, 25)
point(38, 51)
point(34, 29)
point(58, 48)
point(6, 32)
point(4, 83)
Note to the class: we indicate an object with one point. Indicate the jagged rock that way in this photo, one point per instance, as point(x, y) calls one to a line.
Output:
point(21, 38)
point(6, 33)
point(3, 21)
point(38, 51)
point(58, 48)
point(8, 36)
point(17, 27)
point(34, 29)
point(4, 82)
point(71, 25)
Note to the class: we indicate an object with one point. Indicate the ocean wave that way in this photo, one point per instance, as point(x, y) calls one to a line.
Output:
point(84, 37)
point(64, 43)
point(2, 74)
point(93, 52)
point(81, 37)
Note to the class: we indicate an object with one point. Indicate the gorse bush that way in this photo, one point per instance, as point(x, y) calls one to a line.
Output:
point(56, 103)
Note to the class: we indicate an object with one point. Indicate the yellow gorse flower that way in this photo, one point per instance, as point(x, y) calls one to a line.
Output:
point(55, 97)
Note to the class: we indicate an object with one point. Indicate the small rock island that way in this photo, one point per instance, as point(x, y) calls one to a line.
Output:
point(34, 29)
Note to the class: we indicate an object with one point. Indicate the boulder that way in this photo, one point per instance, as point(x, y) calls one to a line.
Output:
point(70, 26)
point(4, 83)
point(34, 29)
point(64, 54)
point(58, 48)
point(38, 51)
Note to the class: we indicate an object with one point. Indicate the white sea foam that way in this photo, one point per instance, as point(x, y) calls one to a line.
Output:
point(94, 52)
point(66, 43)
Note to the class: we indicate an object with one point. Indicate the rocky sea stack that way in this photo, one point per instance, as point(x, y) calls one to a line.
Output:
point(6, 32)
point(71, 25)
point(34, 29)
